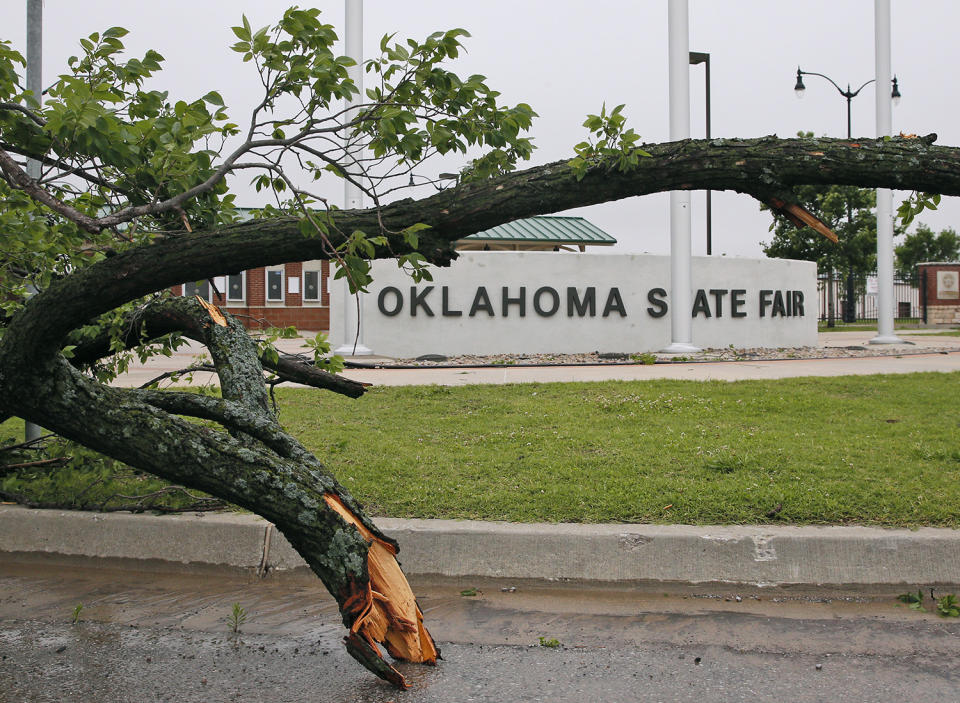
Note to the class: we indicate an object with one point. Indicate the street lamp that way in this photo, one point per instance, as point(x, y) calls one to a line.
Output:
point(800, 89)
point(698, 57)
point(849, 313)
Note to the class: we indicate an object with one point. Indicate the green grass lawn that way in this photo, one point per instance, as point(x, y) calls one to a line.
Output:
point(941, 333)
point(879, 450)
point(904, 323)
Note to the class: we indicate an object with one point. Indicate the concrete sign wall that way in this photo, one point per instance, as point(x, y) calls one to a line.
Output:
point(546, 302)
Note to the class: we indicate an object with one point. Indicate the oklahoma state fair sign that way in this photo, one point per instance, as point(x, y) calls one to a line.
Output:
point(543, 302)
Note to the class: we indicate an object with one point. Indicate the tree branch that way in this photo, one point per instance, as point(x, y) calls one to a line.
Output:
point(18, 178)
point(232, 415)
point(753, 166)
point(182, 314)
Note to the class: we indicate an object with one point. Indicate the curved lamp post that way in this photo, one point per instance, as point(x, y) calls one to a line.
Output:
point(849, 312)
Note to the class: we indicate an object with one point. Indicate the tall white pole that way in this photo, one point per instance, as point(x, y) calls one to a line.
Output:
point(352, 195)
point(33, 431)
point(885, 298)
point(681, 299)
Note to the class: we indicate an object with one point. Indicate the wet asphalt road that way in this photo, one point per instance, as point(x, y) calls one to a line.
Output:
point(150, 637)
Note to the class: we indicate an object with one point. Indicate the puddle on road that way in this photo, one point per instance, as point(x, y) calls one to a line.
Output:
point(299, 607)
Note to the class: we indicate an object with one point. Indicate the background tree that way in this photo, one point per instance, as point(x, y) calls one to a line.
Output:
point(132, 199)
point(924, 245)
point(856, 249)
point(849, 212)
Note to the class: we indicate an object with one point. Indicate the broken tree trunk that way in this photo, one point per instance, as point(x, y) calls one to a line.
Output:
point(254, 464)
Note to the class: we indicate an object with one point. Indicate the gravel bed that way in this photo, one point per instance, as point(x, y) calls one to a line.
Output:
point(727, 354)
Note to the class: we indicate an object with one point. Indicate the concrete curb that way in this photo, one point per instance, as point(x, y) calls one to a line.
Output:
point(757, 555)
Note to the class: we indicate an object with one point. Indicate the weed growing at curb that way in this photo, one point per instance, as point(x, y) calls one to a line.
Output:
point(947, 606)
point(550, 643)
point(76, 613)
point(236, 619)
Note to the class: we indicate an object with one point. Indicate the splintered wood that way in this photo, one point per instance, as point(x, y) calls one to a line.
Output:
point(214, 312)
point(388, 613)
point(800, 217)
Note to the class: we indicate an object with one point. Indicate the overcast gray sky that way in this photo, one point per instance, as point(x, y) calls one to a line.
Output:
point(567, 58)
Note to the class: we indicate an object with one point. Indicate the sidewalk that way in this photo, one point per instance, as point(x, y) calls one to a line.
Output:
point(624, 554)
point(921, 352)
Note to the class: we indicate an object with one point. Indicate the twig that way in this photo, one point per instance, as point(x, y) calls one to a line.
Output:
point(26, 445)
point(43, 462)
point(202, 505)
point(181, 372)
point(167, 490)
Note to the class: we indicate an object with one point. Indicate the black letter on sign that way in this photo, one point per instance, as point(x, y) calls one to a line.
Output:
point(419, 300)
point(481, 301)
point(778, 308)
point(764, 302)
point(718, 294)
point(382, 301)
point(447, 312)
point(589, 302)
point(506, 301)
point(556, 301)
point(700, 304)
point(798, 303)
point(655, 297)
point(614, 302)
point(737, 302)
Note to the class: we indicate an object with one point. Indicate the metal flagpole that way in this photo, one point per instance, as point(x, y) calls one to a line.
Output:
point(681, 299)
point(33, 431)
point(885, 301)
point(352, 344)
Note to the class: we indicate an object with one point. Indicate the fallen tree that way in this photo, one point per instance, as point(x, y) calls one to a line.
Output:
point(128, 203)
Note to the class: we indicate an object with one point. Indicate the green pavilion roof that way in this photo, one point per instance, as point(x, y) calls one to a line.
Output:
point(551, 229)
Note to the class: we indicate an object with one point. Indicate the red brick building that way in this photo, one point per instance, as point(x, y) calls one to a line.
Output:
point(273, 296)
point(940, 292)
point(298, 294)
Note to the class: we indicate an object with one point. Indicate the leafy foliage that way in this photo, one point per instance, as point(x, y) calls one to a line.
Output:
point(914, 600)
point(915, 204)
point(611, 143)
point(948, 606)
point(122, 164)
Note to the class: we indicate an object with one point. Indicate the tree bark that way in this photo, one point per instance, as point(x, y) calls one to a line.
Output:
point(256, 464)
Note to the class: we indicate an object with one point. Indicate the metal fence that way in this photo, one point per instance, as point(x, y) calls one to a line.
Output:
point(906, 293)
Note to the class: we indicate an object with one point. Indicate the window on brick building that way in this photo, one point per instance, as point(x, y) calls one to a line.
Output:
point(312, 285)
point(237, 287)
point(200, 288)
point(274, 285)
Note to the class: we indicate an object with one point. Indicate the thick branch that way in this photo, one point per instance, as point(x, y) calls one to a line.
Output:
point(753, 166)
point(230, 414)
point(180, 314)
point(321, 520)
point(290, 368)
